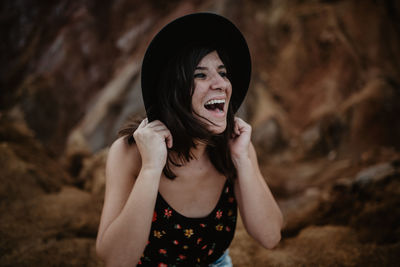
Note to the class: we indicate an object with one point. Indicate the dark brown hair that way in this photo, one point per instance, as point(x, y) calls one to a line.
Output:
point(173, 108)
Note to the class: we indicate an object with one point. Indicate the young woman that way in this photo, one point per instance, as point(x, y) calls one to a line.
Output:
point(174, 182)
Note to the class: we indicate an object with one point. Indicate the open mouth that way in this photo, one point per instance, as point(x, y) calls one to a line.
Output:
point(215, 105)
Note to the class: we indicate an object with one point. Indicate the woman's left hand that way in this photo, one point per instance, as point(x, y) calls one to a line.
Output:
point(239, 143)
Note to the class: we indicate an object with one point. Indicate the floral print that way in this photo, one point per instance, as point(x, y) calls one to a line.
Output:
point(167, 213)
point(188, 233)
point(219, 227)
point(154, 217)
point(176, 240)
point(219, 214)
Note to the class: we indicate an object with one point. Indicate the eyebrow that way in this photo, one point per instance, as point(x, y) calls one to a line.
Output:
point(205, 68)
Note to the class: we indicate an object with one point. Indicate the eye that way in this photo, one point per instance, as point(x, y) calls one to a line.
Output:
point(199, 75)
point(223, 74)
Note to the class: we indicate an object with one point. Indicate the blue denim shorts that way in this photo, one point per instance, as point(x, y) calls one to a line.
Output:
point(223, 261)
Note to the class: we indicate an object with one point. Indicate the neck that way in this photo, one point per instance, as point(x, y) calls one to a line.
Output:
point(200, 151)
point(199, 154)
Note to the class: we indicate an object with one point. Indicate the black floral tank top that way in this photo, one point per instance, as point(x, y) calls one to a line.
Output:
point(176, 240)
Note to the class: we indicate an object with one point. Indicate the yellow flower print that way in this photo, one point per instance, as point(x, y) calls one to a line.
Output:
point(219, 227)
point(158, 234)
point(188, 233)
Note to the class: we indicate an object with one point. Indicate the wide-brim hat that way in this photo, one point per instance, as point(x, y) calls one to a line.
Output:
point(196, 29)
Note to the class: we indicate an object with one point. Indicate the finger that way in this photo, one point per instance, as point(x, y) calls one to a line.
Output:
point(142, 123)
point(236, 127)
point(156, 124)
point(168, 138)
point(239, 122)
point(159, 128)
point(242, 125)
point(166, 135)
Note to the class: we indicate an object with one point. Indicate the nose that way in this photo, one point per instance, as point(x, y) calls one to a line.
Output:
point(218, 82)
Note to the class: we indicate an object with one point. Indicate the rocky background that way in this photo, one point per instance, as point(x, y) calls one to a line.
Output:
point(323, 103)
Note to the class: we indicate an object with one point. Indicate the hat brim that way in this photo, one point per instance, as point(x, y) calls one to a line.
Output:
point(197, 28)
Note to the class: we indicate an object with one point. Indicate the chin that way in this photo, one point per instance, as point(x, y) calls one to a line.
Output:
point(217, 129)
point(215, 124)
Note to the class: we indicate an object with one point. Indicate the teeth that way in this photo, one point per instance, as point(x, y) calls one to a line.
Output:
point(215, 101)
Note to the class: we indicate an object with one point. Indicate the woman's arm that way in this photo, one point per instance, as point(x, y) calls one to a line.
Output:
point(258, 208)
point(132, 179)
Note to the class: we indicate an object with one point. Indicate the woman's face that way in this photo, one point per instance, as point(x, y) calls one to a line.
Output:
point(212, 92)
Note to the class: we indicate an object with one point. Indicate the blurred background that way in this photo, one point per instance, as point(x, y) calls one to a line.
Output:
point(324, 103)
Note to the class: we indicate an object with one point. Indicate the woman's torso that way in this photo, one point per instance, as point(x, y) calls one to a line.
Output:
point(195, 191)
point(194, 219)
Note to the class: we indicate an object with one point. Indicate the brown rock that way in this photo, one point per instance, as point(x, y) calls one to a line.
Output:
point(369, 205)
point(56, 252)
point(27, 170)
point(268, 136)
point(42, 220)
point(69, 213)
point(326, 246)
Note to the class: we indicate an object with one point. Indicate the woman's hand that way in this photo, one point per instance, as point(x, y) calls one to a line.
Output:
point(239, 144)
point(152, 140)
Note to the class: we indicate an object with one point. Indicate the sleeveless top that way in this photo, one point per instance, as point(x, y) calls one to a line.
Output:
point(176, 240)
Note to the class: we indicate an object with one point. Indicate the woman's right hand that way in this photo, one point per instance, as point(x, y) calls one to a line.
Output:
point(152, 140)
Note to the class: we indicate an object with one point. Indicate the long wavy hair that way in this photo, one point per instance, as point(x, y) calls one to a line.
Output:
point(173, 107)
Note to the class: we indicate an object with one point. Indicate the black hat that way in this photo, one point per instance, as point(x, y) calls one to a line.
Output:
point(196, 29)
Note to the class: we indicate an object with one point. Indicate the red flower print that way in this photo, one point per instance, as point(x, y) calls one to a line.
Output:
point(162, 265)
point(182, 257)
point(204, 247)
point(227, 190)
point(167, 213)
point(203, 225)
point(210, 252)
point(219, 214)
point(154, 217)
point(199, 240)
point(178, 226)
point(175, 242)
point(228, 229)
point(162, 251)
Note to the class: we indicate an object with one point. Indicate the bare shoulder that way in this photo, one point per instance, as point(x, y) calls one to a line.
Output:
point(124, 157)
